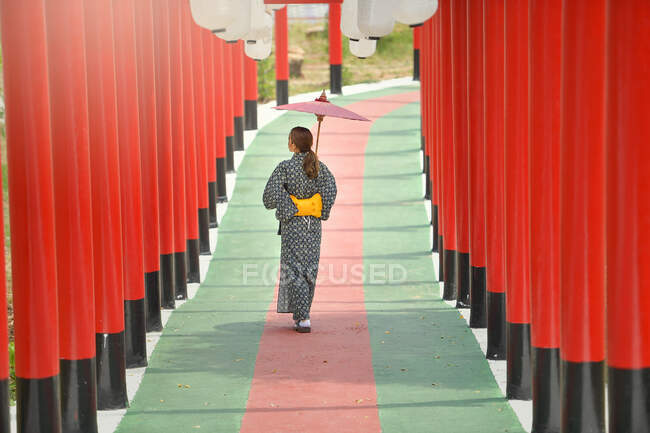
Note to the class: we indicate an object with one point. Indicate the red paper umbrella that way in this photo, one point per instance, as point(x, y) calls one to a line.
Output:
point(321, 107)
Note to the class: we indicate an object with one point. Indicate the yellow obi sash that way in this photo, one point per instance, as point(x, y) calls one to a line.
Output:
point(309, 206)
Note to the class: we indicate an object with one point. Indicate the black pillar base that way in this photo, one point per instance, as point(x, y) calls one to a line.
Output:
point(519, 385)
point(222, 192)
point(434, 222)
point(212, 205)
point(135, 334)
point(167, 282)
point(250, 115)
point(152, 295)
point(230, 154)
point(416, 65)
point(629, 400)
point(450, 291)
point(111, 371)
point(180, 267)
point(281, 92)
point(478, 309)
point(424, 156)
point(463, 281)
point(204, 232)
point(547, 396)
point(583, 397)
point(193, 269)
point(78, 395)
point(427, 178)
point(38, 405)
point(336, 79)
point(441, 259)
point(239, 133)
point(496, 326)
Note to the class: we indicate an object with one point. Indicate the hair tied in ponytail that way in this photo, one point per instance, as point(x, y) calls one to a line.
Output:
point(303, 140)
point(310, 164)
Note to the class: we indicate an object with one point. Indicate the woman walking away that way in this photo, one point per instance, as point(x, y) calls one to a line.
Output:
point(302, 191)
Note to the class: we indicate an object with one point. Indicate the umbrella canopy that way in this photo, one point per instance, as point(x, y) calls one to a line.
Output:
point(321, 107)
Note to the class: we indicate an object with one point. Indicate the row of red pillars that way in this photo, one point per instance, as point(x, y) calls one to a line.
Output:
point(536, 121)
point(117, 118)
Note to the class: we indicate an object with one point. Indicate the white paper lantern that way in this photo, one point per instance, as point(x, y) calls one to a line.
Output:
point(261, 22)
point(414, 12)
point(258, 50)
point(349, 25)
point(214, 15)
point(363, 47)
point(375, 18)
point(241, 25)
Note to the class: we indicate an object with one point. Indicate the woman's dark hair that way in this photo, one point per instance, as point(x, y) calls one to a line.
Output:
point(303, 140)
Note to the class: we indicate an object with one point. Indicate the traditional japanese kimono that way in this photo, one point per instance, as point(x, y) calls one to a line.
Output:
point(301, 235)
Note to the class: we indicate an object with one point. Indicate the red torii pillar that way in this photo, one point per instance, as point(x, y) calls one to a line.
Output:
point(238, 92)
point(190, 138)
point(73, 212)
point(450, 260)
point(130, 183)
point(148, 138)
point(545, 72)
point(4, 344)
point(460, 153)
point(628, 250)
point(230, 106)
point(177, 137)
point(478, 313)
point(211, 124)
point(250, 94)
point(494, 181)
point(517, 214)
point(425, 121)
point(201, 137)
point(582, 236)
point(222, 111)
point(281, 57)
point(31, 204)
point(335, 48)
point(107, 219)
point(166, 165)
point(428, 61)
point(437, 67)
point(417, 43)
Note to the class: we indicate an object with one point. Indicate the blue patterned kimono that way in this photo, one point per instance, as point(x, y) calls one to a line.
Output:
point(301, 235)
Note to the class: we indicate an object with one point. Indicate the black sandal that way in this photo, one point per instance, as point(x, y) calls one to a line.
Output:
point(302, 329)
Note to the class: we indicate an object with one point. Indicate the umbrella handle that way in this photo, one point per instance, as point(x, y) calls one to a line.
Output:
point(320, 120)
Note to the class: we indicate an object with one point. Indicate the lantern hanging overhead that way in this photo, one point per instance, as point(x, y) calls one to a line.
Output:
point(349, 26)
point(240, 26)
point(261, 22)
point(214, 15)
point(258, 50)
point(414, 12)
point(375, 18)
point(363, 47)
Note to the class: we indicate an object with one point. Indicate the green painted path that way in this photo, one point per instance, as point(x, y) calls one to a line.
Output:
point(430, 373)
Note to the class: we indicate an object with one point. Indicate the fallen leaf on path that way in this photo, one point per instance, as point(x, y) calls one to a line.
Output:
point(239, 359)
point(180, 385)
point(387, 332)
point(359, 401)
point(187, 386)
point(404, 369)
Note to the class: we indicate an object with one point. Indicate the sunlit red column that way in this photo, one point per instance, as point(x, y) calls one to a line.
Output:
point(148, 138)
point(222, 112)
point(31, 205)
point(476, 146)
point(73, 212)
point(211, 124)
point(230, 106)
point(545, 72)
point(628, 243)
point(426, 116)
point(335, 48)
point(435, 127)
point(250, 94)
point(517, 213)
point(190, 138)
point(106, 206)
point(437, 64)
point(450, 260)
point(460, 153)
point(166, 165)
point(238, 92)
point(4, 344)
point(201, 134)
point(281, 57)
point(417, 43)
point(128, 138)
point(179, 233)
point(582, 227)
point(493, 75)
